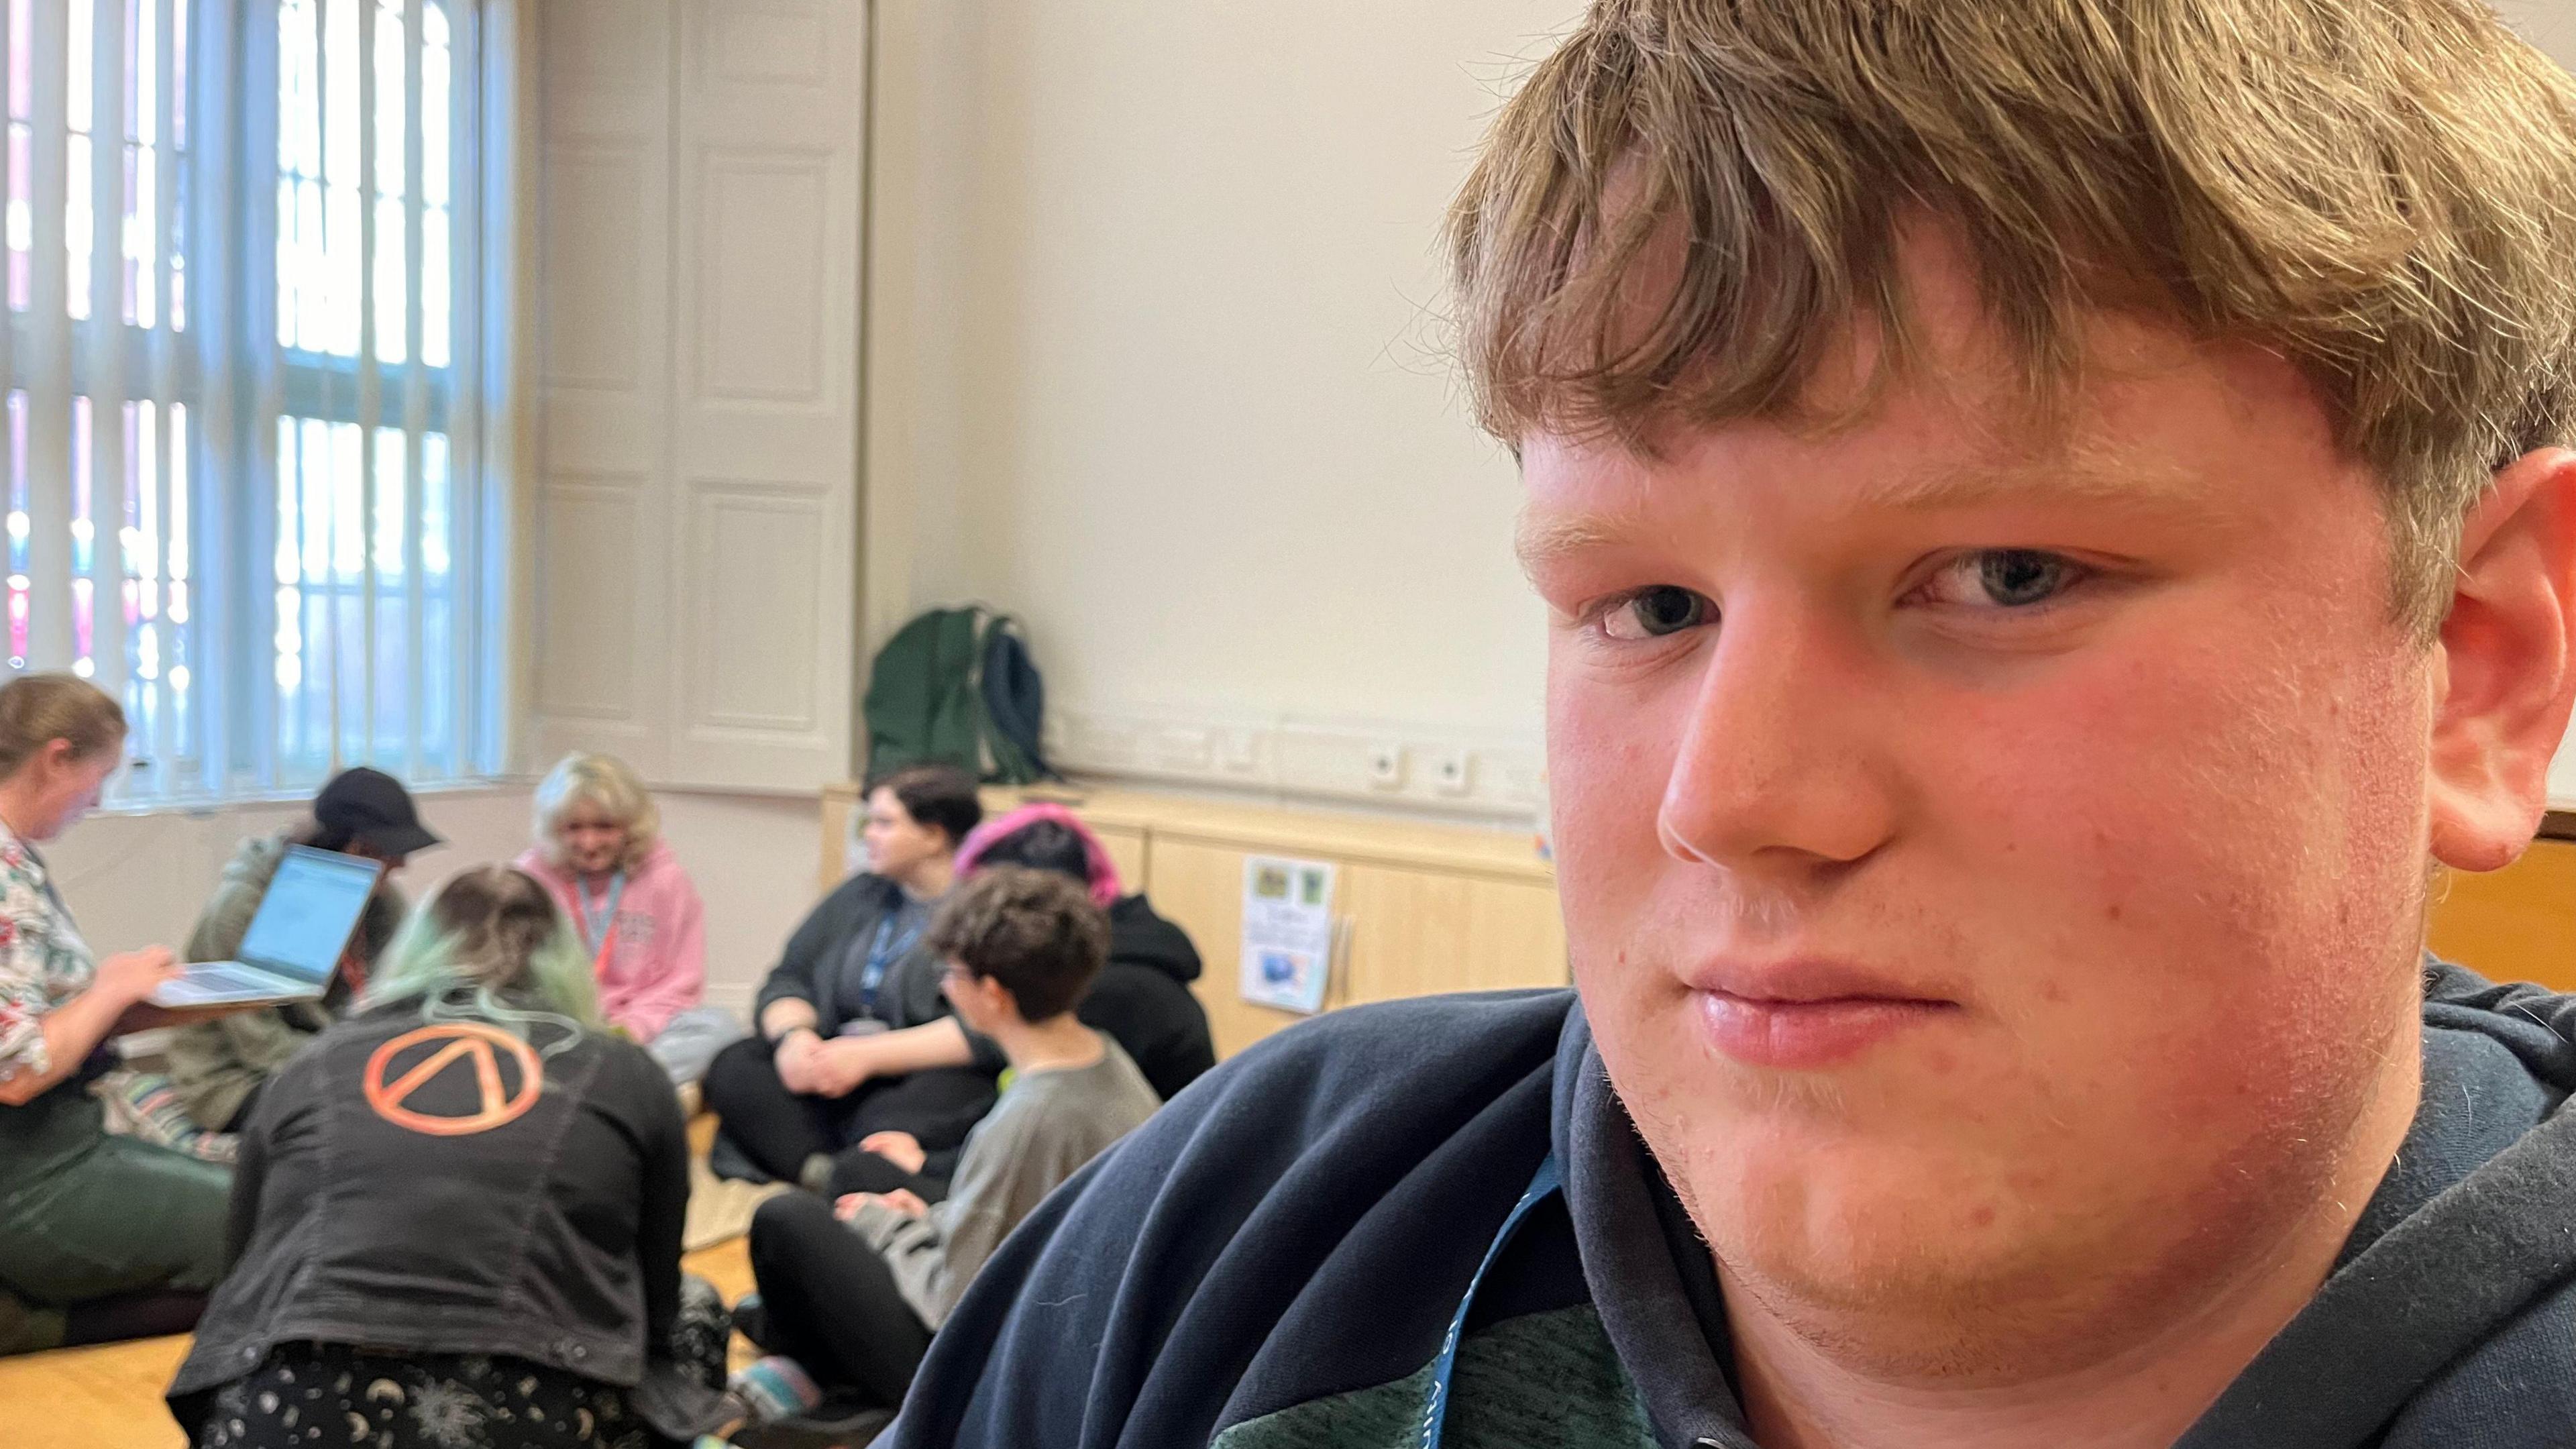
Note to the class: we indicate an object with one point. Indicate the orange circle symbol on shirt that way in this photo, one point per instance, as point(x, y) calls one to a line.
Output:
point(469, 1042)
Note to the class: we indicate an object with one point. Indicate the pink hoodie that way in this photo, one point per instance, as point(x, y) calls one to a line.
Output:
point(658, 966)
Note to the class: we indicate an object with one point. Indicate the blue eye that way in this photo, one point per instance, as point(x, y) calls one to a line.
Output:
point(1652, 613)
point(2004, 578)
point(2015, 577)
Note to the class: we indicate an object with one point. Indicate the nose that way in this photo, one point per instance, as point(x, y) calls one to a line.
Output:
point(1776, 771)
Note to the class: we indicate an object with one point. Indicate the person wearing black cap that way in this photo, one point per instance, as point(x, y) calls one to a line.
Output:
point(219, 1066)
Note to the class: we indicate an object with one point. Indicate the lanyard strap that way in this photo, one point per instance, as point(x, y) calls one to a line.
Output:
point(1435, 1412)
point(881, 958)
point(599, 923)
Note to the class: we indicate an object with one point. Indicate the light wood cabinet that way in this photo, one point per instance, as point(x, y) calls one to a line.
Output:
point(1126, 845)
point(1419, 908)
point(1201, 887)
point(2514, 924)
point(1415, 931)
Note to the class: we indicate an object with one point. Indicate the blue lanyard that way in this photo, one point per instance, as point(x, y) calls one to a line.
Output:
point(1435, 1413)
point(881, 959)
point(596, 921)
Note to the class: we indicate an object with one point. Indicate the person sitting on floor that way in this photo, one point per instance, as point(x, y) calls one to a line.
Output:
point(854, 1036)
point(848, 1307)
point(457, 1215)
point(1143, 996)
point(218, 1067)
point(600, 851)
point(101, 1237)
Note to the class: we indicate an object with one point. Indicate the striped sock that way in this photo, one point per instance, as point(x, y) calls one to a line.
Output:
point(776, 1388)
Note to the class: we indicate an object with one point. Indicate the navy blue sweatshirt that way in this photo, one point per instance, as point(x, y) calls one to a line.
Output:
point(1274, 1260)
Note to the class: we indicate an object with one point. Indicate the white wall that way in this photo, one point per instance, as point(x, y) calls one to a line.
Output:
point(134, 880)
point(2549, 24)
point(1154, 364)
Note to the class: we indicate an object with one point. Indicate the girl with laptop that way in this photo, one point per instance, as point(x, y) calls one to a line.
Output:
point(101, 1237)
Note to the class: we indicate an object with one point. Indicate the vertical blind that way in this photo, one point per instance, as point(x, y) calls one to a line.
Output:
point(245, 494)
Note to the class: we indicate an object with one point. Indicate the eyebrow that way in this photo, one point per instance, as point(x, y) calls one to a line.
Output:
point(1541, 539)
point(2089, 476)
point(1544, 538)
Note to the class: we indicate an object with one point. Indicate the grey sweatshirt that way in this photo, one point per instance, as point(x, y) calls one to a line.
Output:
point(1046, 1126)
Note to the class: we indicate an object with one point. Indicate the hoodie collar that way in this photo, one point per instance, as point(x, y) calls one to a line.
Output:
point(1660, 1307)
point(2467, 1229)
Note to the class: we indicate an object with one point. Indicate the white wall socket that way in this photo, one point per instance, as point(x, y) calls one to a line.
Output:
point(1386, 766)
point(1454, 773)
point(1239, 751)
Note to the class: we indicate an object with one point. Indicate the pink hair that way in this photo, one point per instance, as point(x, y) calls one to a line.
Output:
point(1105, 885)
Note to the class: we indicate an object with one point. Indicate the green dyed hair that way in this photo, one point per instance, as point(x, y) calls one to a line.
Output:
point(491, 946)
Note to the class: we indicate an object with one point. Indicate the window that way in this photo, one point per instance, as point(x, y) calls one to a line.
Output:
point(242, 465)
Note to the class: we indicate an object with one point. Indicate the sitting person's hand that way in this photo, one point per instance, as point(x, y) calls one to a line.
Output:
point(795, 1061)
point(838, 1067)
point(900, 1148)
point(130, 976)
point(902, 1200)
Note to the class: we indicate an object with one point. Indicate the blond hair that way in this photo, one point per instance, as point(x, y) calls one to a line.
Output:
point(2382, 191)
point(38, 709)
point(607, 784)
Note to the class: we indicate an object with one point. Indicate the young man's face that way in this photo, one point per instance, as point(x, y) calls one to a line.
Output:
point(1992, 867)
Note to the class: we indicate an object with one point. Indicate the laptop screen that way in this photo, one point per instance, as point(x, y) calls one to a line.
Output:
point(306, 917)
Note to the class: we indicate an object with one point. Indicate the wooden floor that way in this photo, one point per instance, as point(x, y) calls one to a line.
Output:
point(110, 1397)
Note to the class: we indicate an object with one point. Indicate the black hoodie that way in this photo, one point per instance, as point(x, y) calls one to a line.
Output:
point(1143, 998)
point(1274, 1261)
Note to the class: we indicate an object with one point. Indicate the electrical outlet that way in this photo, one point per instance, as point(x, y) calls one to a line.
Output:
point(1240, 752)
point(1386, 766)
point(1454, 773)
point(1183, 749)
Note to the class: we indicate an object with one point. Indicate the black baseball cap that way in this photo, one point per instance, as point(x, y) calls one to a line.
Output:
point(373, 808)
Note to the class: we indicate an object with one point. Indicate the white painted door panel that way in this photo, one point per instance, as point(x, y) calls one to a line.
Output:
point(700, 237)
point(765, 415)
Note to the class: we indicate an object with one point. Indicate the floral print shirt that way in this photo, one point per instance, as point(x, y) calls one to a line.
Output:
point(43, 960)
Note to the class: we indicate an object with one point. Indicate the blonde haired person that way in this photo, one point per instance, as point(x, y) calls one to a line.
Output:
point(599, 850)
point(458, 1214)
point(100, 1237)
point(2055, 518)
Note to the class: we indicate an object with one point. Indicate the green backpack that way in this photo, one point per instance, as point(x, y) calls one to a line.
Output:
point(956, 687)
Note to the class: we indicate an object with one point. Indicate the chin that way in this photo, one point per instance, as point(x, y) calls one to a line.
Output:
point(1948, 1272)
point(1853, 1224)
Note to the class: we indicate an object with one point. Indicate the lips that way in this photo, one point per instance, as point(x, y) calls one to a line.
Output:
point(1807, 1015)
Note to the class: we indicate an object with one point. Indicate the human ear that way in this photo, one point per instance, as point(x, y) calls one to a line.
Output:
point(2503, 682)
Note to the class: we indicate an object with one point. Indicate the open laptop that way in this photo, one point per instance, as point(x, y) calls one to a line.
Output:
point(295, 938)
